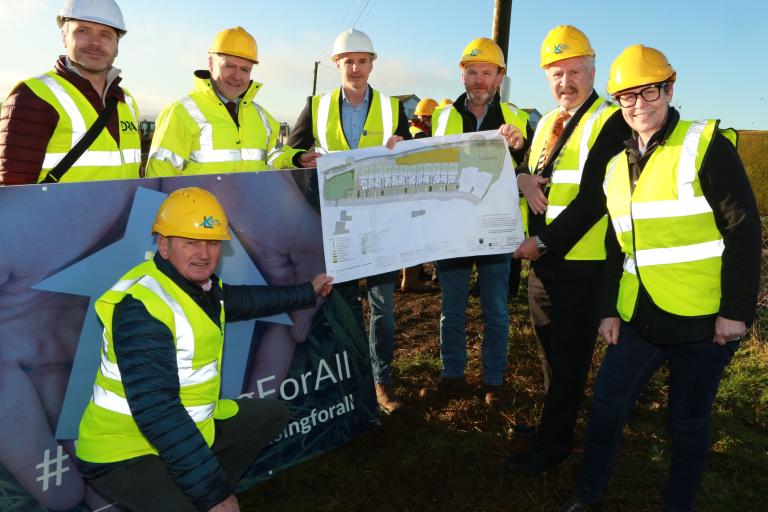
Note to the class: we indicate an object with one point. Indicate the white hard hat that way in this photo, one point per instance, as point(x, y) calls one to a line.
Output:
point(350, 41)
point(106, 12)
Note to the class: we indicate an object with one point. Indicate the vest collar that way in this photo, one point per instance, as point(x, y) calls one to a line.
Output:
point(170, 271)
point(657, 139)
point(68, 71)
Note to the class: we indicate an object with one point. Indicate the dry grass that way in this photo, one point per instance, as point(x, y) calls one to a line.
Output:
point(448, 456)
point(753, 149)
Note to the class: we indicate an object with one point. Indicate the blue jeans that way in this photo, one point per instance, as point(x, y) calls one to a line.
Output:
point(381, 330)
point(493, 276)
point(695, 370)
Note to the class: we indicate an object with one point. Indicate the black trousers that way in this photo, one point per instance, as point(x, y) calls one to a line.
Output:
point(144, 484)
point(571, 306)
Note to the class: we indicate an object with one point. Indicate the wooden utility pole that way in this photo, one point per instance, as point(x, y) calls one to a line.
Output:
point(314, 80)
point(502, 14)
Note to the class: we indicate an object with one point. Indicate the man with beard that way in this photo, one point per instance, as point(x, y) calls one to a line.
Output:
point(44, 117)
point(478, 109)
point(567, 225)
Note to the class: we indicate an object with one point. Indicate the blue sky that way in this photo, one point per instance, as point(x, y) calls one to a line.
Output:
point(717, 47)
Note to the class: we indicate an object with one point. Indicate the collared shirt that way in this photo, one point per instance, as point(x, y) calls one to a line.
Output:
point(571, 111)
point(479, 118)
point(224, 99)
point(353, 118)
point(111, 75)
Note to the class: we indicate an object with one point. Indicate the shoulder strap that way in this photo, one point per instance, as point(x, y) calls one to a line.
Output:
point(84, 143)
point(569, 128)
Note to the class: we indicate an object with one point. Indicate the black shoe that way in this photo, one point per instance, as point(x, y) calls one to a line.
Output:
point(576, 505)
point(445, 388)
point(529, 461)
point(524, 429)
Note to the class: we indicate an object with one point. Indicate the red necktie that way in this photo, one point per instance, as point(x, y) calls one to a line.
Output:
point(557, 131)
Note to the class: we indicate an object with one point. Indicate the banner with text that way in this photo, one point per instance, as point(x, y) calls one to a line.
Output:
point(64, 245)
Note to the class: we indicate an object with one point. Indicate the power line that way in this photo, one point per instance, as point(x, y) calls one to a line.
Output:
point(360, 12)
point(362, 21)
point(341, 22)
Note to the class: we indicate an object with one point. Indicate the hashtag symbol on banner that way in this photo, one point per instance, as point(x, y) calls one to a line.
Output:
point(59, 470)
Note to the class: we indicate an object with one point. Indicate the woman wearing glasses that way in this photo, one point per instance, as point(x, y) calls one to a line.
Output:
point(681, 279)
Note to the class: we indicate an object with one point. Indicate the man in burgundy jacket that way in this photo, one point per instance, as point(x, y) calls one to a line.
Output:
point(39, 111)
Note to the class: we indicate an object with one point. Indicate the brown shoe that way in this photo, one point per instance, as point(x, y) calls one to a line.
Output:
point(493, 396)
point(385, 396)
point(445, 388)
point(412, 281)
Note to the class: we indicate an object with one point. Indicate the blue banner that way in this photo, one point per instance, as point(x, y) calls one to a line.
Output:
point(64, 245)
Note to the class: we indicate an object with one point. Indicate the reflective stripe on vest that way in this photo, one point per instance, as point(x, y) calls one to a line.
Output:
point(185, 351)
point(89, 158)
point(115, 403)
point(672, 245)
point(442, 122)
point(207, 154)
point(324, 110)
point(568, 171)
point(444, 125)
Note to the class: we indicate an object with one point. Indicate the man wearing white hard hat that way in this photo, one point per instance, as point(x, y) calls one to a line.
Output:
point(356, 116)
point(80, 100)
point(218, 127)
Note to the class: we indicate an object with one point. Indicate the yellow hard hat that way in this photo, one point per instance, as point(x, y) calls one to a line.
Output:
point(445, 101)
point(236, 41)
point(639, 65)
point(564, 42)
point(425, 107)
point(194, 213)
point(483, 49)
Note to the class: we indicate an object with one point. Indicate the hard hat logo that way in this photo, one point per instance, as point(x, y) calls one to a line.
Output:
point(210, 222)
point(564, 42)
point(180, 215)
point(485, 50)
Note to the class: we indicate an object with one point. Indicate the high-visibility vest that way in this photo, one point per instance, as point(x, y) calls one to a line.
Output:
point(108, 432)
point(380, 124)
point(447, 120)
point(105, 159)
point(666, 227)
point(197, 135)
point(567, 170)
point(415, 130)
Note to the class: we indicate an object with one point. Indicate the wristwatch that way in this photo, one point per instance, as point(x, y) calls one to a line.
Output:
point(541, 246)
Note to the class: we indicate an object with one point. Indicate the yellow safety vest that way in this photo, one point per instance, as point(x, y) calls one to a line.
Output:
point(380, 124)
point(568, 168)
point(196, 135)
point(666, 227)
point(448, 121)
point(414, 130)
point(108, 432)
point(105, 159)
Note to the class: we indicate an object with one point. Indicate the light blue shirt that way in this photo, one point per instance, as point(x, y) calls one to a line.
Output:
point(353, 118)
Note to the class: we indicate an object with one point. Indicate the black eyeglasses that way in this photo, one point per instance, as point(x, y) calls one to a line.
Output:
point(650, 93)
